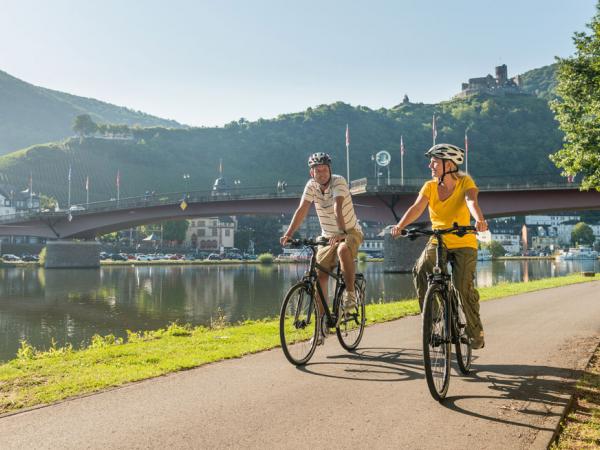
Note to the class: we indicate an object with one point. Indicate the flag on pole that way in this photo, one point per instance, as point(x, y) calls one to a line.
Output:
point(347, 136)
point(466, 143)
point(401, 146)
point(434, 129)
point(118, 178)
point(87, 183)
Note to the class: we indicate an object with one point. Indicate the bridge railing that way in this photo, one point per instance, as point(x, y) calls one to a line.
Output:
point(484, 183)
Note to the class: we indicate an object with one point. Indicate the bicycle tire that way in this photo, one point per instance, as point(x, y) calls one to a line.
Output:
point(436, 342)
point(350, 330)
point(463, 343)
point(298, 325)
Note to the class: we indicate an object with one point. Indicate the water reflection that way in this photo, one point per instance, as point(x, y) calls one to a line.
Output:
point(71, 306)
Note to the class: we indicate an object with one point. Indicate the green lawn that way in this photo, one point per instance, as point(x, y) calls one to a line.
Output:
point(36, 377)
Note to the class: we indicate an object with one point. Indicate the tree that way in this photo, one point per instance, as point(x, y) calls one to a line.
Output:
point(83, 125)
point(582, 234)
point(496, 249)
point(174, 230)
point(578, 107)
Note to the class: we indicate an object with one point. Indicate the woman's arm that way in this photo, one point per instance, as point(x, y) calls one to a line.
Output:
point(411, 214)
point(473, 205)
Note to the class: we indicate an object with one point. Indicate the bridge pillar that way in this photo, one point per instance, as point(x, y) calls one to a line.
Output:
point(72, 254)
point(401, 254)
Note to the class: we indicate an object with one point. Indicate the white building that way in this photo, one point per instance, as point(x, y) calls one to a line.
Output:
point(214, 234)
point(551, 221)
point(510, 242)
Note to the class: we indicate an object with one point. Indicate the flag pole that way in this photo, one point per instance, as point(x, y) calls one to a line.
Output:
point(347, 154)
point(434, 129)
point(401, 161)
point(118, 186)
point(87, 190)
point(31, 189)
point(466, 153)
point(69, 190)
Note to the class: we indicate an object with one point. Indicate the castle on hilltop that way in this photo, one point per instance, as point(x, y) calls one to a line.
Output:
point(500, 85)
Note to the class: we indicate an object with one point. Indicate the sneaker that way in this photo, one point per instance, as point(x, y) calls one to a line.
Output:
point(349, 301)
point(478, 343)
point(320, 340)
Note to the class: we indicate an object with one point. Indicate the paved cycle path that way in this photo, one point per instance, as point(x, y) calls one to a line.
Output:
point(536, 344)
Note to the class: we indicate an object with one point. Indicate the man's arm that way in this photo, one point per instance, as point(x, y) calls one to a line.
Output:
point(411, 214)
point(473, 205)
point(297, 219)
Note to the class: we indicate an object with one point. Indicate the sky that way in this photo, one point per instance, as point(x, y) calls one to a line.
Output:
point(207, 63)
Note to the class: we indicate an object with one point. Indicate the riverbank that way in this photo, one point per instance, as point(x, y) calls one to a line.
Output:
point(35, 377)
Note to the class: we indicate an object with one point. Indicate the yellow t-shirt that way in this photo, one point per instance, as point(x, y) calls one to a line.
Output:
point(443, 214)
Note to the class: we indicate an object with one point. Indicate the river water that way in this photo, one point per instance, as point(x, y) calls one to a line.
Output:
point(70, 306)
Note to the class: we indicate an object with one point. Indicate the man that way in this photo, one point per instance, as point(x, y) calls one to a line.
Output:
point(331, 196)
point(451, 196)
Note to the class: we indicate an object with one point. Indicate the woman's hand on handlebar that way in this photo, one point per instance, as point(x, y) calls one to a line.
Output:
point(284, 240)
point(481, 225)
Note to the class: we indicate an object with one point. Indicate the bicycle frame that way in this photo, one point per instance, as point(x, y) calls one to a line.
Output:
point(312, 278)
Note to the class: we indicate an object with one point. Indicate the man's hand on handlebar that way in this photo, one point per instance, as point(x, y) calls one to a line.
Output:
point(284, 239)
point(396, 231)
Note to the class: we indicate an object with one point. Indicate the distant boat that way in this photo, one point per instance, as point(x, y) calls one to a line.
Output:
point(581, 252)
point(484, 254)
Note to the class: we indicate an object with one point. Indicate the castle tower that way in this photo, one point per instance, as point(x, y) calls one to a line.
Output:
point(501, 75)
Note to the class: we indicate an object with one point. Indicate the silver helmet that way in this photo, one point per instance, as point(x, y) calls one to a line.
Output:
point(447, 151)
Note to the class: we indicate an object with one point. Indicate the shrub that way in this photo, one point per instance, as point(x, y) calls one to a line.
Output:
point(265, 258)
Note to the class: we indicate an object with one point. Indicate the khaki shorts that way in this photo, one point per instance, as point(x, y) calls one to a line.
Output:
point(327, 254)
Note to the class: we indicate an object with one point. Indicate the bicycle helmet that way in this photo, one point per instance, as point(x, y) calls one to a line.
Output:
point(448, 152)
point(319, 158)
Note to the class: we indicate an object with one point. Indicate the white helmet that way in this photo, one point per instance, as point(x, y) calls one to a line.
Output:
point(447, 151)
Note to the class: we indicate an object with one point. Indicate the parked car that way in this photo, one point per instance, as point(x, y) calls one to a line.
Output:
point(118, 257)
point(76, 208)
point(29, 258)
point(10, 257)
point(213, 257)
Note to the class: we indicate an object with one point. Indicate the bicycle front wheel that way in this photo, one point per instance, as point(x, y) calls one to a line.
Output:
point(436, 342)
point(298, 325)
point(350, 328)
point(463, 343)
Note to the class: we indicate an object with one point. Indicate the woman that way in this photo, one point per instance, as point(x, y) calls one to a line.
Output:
point(452, 198)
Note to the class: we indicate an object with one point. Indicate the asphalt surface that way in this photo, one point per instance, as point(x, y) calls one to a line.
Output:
point(536, 345)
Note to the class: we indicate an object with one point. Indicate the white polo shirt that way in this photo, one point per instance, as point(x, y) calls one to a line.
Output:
point(325, 201)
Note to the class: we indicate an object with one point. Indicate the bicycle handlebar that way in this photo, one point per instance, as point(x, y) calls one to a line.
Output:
point(308, 242)
point(459, 230)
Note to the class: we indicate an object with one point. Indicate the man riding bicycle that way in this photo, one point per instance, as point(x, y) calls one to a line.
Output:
point(452, 198)
point(331, 196)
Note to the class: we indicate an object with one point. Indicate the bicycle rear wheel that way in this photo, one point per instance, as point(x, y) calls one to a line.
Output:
point(298, 325)
point(463, 343)
point(350, 329)
point(436, 342)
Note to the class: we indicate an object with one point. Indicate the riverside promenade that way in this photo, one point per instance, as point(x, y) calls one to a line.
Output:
point(537, 344)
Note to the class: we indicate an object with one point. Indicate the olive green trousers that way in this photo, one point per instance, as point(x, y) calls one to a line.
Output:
point(463, 262)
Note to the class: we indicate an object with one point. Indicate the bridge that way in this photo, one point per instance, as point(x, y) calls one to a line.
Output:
point(373, 201)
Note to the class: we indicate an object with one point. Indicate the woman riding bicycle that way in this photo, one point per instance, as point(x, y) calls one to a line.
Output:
point(452, 198)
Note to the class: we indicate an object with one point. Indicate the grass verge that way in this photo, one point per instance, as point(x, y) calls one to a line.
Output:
point(36, 377)
point(581, 427)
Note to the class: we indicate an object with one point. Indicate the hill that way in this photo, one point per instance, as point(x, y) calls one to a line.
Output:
point(508, 136)
point(541, 82)
point(30, 114)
